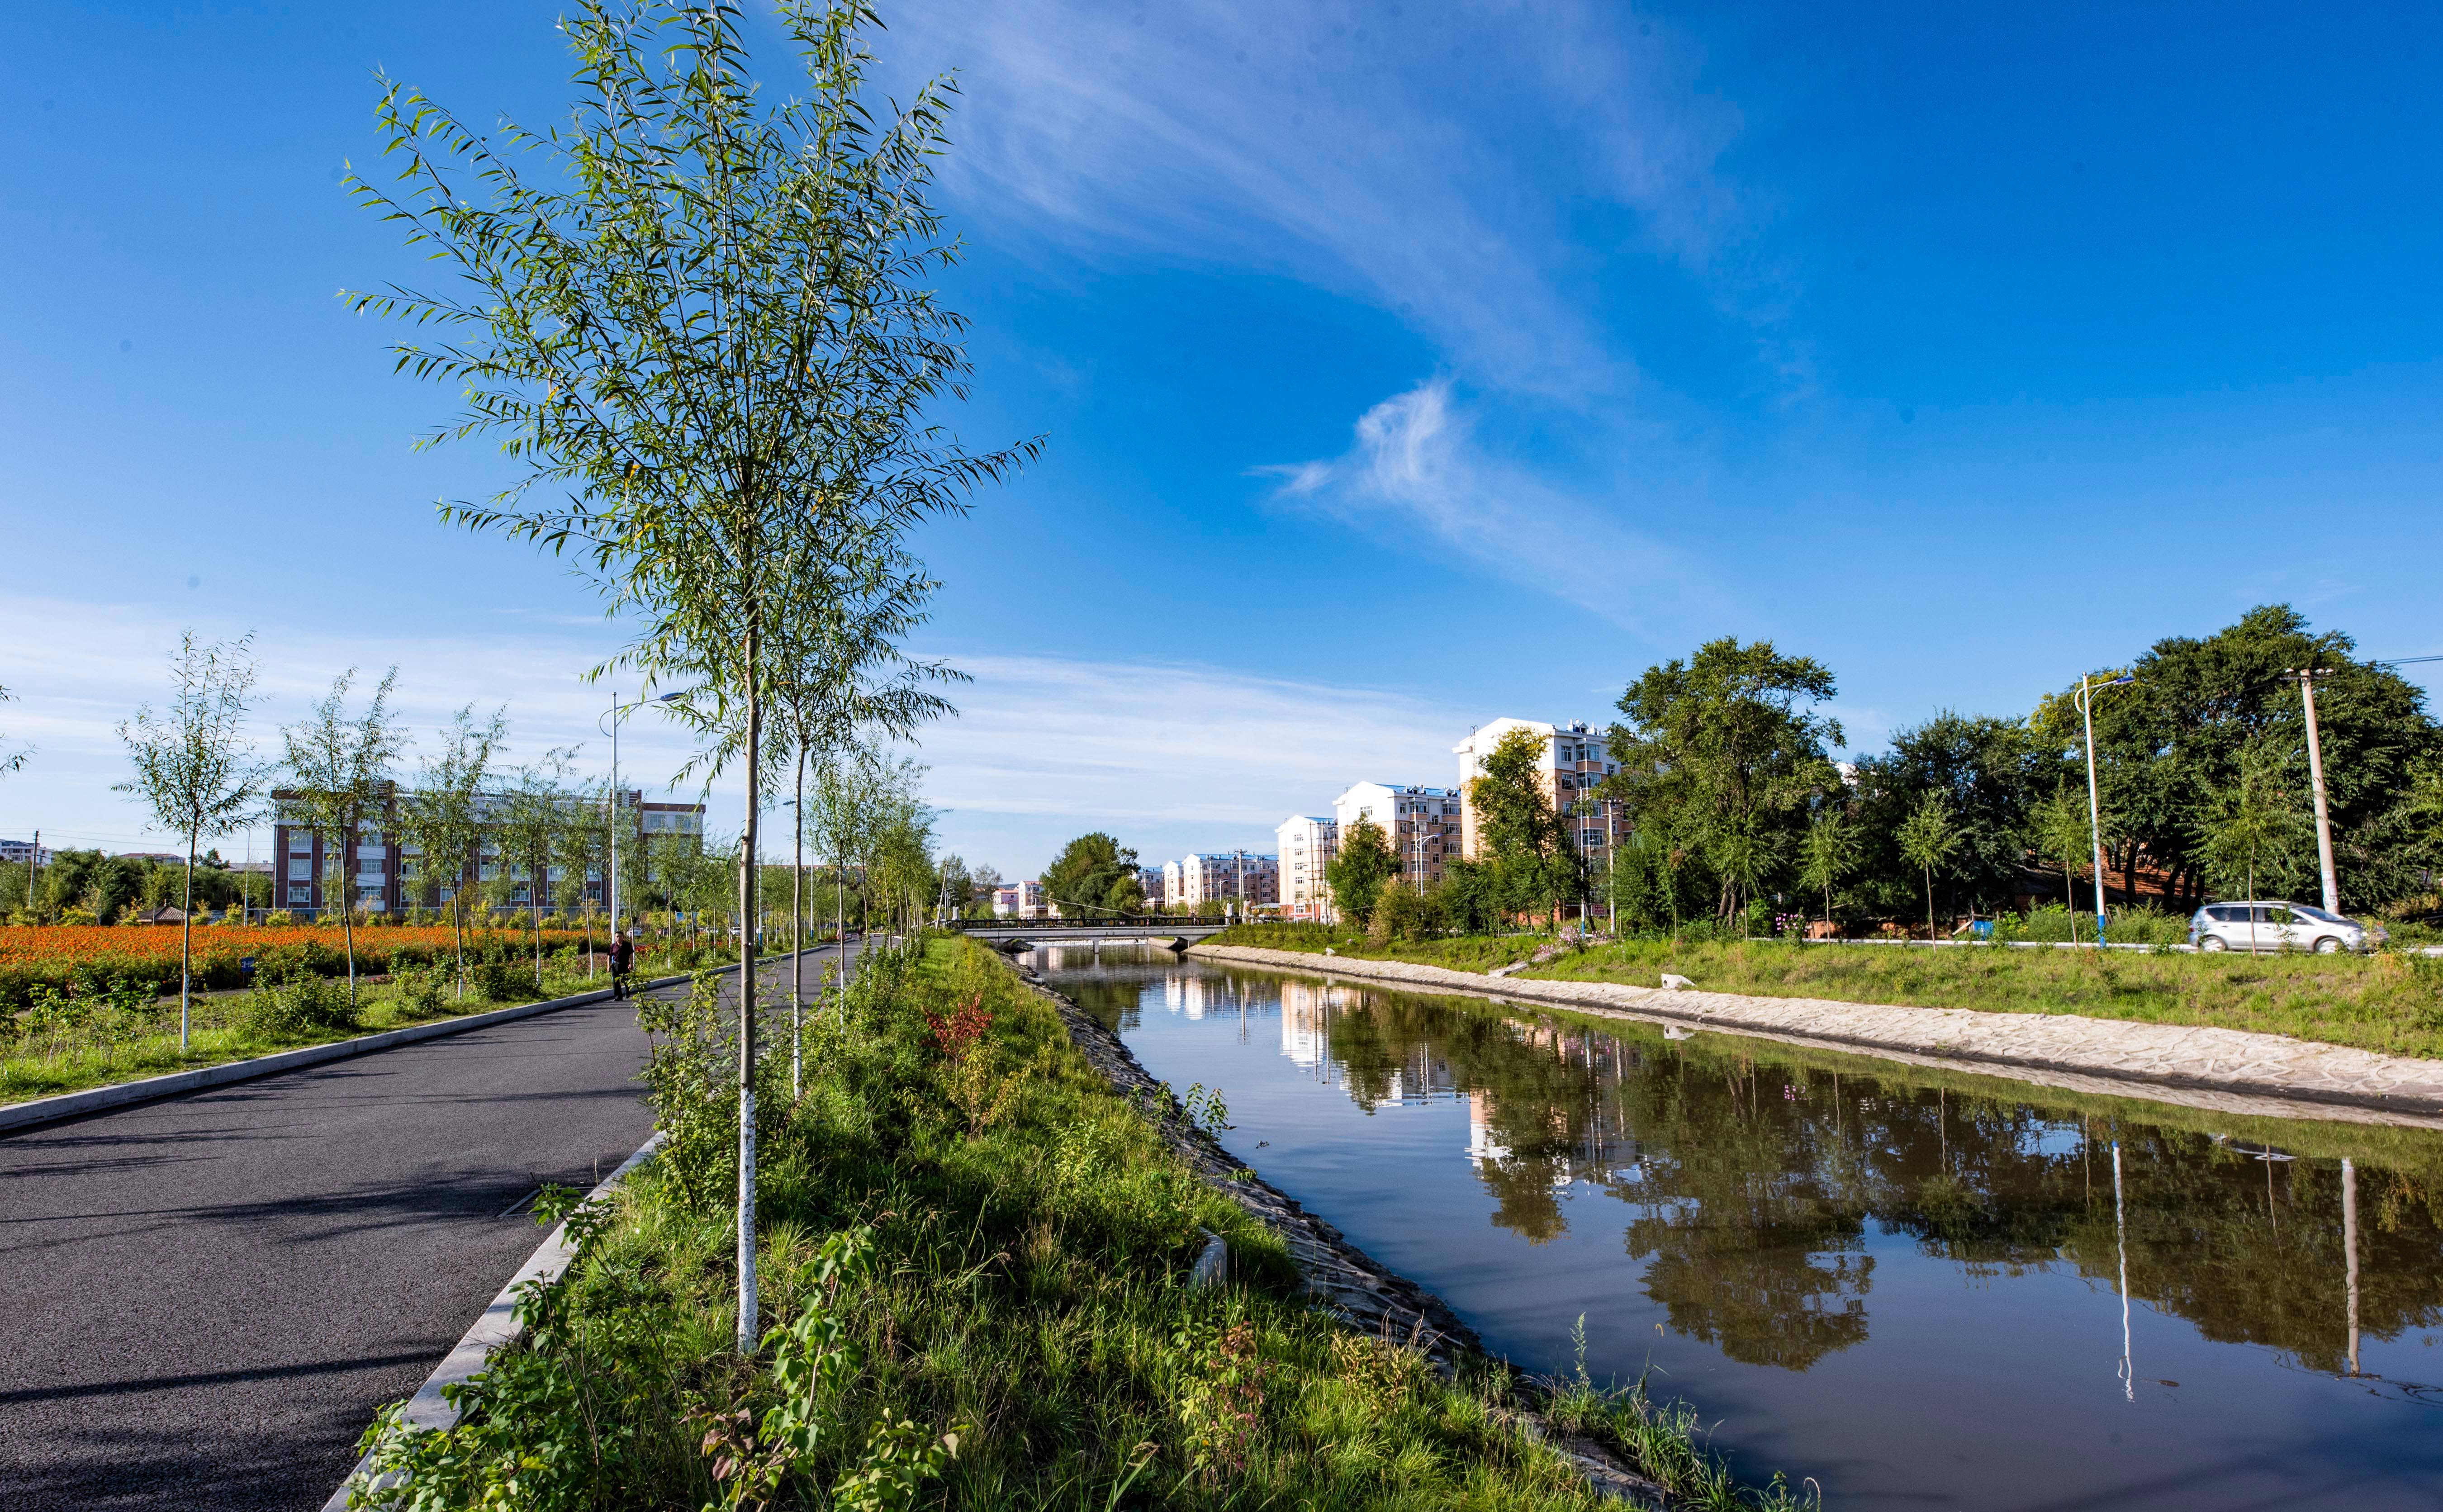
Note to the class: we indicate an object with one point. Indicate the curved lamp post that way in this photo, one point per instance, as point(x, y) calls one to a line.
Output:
point(2094, 808)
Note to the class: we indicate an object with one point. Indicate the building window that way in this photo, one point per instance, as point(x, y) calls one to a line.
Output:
point(300, 895)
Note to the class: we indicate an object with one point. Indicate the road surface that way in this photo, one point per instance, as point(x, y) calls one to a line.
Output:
point(207, 1298)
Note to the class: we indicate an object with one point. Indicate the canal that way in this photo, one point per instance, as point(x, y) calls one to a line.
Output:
point(1920, 1288)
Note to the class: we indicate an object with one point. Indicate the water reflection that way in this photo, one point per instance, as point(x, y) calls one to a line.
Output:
point(1761, 1193)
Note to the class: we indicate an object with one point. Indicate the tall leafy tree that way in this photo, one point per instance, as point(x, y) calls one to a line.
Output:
point(1359, 870)
point(1096, 874)
point(1992, 771)
point(1522, 834)
point(1721, 754)
point(2256, 825)
point(703, 326)
point(340, 776)
point(2168, 745)
point(441, 818)
point(195, 768)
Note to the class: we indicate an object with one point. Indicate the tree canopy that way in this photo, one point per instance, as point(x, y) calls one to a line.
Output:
point(1094, 875)
point(1721, 756)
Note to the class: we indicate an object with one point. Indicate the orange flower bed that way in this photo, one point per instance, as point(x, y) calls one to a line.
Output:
point(54, 953)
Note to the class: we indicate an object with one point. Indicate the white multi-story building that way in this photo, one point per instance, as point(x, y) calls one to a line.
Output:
point(1222, 877)
point(1572, 764)
point(1308, 844)
point(1153, 880)
point(1421, 823)
point(1022, 901)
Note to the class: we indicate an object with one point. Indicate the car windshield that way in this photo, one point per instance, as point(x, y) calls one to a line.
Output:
point(2319, 914)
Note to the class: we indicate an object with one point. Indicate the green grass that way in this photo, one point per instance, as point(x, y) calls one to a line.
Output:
point(2388, 1002)
point(110, 1045)
point(1032, 1235)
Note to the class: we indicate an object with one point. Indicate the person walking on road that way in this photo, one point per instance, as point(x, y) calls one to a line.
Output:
point(623, 960)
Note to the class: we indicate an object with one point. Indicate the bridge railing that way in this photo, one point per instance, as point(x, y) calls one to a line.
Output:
point(1083, 924)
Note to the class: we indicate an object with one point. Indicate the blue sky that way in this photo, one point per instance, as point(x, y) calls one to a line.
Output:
point(1403, 366)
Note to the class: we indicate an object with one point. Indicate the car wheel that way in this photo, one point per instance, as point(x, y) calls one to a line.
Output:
point(2213, 943)
point(2330, 945)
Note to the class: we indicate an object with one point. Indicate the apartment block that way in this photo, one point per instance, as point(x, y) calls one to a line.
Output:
point(1308, 844)
point(1572, 764)
point(1222, 877)
point(385, 875)
point(1152, 879)
point(1024, 900)
point(1421, 823)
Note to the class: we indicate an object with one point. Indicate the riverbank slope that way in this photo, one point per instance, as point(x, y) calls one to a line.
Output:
point(2225, 1070)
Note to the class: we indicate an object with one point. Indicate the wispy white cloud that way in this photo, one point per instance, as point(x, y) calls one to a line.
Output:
point(1416, 458)
point(1171, 757)
point(1424, 157)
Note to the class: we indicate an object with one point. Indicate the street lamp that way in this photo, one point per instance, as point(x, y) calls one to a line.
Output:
point(2095, 808)
point(609, 725)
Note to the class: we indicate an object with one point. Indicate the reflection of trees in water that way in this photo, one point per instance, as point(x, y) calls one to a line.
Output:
point(1750, 1181)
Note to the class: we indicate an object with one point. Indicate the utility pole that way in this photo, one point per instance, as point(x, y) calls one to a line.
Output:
point(2308, 676)
point(33, 864)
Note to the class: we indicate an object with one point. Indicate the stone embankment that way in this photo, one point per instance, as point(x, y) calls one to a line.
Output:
point(1347, 1280)
point(2222, 1070)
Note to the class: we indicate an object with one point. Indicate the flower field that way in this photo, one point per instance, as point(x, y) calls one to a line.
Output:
point(58, 956)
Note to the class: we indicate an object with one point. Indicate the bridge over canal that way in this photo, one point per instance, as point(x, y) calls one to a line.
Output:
point(1007, 932)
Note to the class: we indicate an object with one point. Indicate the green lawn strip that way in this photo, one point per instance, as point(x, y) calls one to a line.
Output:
point(119, 1047)
point(1031, 1238)
point(110, 1045)
point(2389, 1001)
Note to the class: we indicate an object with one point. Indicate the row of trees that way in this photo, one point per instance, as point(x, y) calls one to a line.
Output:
point(1731, 799)
point(697, 314)
point(1731, 794)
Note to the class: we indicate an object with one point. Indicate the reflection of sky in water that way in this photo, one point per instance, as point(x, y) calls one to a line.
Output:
point(1911, 1292)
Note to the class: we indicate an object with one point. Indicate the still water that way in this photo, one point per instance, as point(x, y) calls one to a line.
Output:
point(1921, 1289)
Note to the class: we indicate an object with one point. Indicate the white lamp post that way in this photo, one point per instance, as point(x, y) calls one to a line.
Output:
point(2094, 806)
point(609, 725)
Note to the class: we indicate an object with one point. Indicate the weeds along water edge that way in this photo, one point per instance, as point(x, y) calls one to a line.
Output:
point(975, 1275)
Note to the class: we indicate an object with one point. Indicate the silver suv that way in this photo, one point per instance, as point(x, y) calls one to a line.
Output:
point(2277, 925)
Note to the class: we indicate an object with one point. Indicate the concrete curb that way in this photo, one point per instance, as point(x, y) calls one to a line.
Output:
point(498, 1327)
point(99, 1100)
point(2222, 1070)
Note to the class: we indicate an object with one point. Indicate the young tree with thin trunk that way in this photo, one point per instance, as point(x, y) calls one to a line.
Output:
point(340, 770)
point(705, 330)
point(443, 818)
point(2061, 830)
point(533, 818)
point(195, 770)
point(583, 848)
point(1826, 853)
point(2254, 824)
point(1927, 837)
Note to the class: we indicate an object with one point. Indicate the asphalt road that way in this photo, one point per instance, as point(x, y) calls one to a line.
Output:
point(207, 1299)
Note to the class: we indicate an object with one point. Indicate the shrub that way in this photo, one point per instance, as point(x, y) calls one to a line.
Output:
point(298, 1004)
point(503, 981)
point(423, 990)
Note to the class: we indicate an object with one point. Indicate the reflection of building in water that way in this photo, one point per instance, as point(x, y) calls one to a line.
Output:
point(1306, 1042)
point(1481, 1145)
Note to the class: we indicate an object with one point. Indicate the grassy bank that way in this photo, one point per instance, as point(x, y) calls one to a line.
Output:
point(967, 1235)
point(116, 1031)
point(2390, 1002)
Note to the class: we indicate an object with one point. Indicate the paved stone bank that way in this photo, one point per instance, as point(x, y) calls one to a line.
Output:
point(1345, 1278)
point(2222, 1070)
